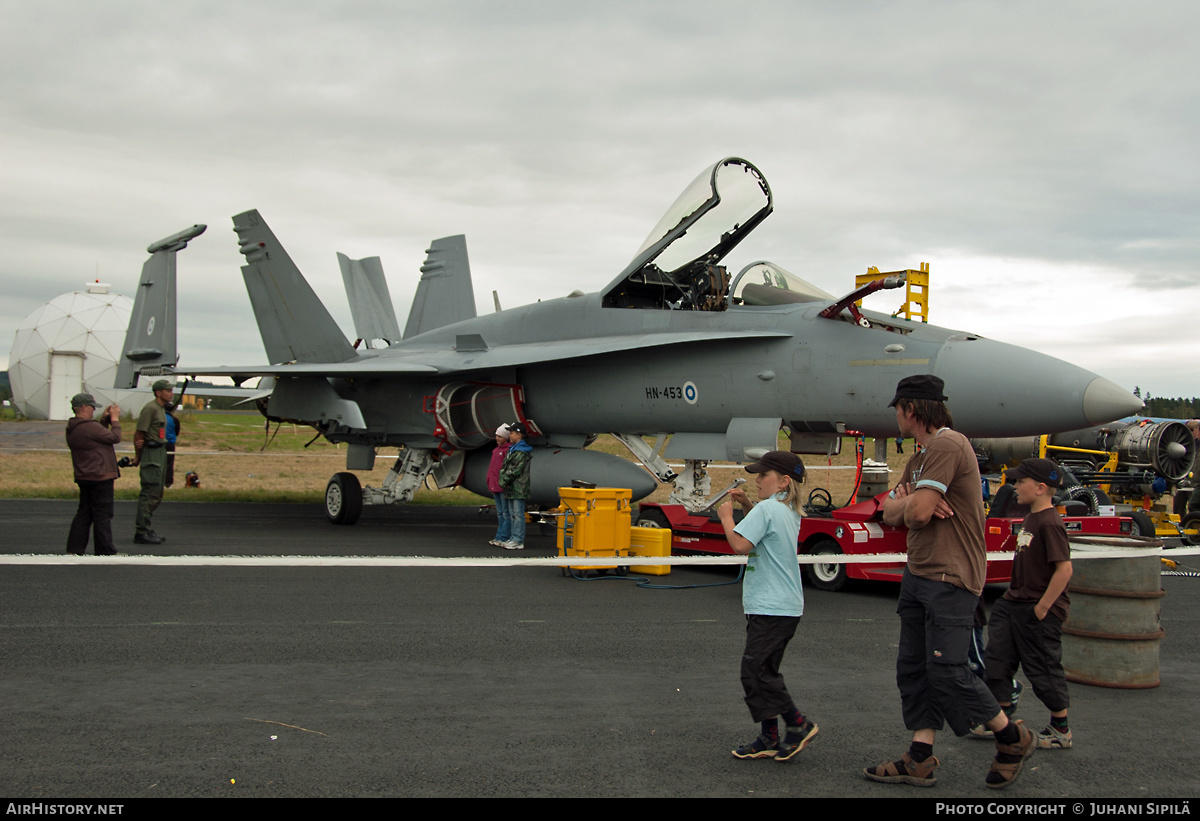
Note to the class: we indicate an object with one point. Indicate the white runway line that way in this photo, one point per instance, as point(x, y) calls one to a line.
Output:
point(503, 561)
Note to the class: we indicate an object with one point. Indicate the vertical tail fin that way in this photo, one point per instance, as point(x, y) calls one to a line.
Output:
point(295, 326)
point(370, 301)
point(150, 340)
point(444, 294)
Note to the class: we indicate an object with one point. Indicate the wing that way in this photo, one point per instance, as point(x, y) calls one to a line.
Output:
point(467, 356)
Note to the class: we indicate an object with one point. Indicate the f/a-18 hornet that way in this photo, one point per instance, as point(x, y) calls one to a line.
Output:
point(671, 349)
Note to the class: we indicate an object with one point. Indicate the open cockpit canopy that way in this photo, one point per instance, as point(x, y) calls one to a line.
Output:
point(765, 283)
point(677, 266)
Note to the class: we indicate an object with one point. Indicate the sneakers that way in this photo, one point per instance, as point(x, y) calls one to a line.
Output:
point(1018, 688)
point(496, 542)
point(510, 545)
point(1051, 739)
point(905, 771)
point(758, 748)
point(979, 731)
point(795, 740)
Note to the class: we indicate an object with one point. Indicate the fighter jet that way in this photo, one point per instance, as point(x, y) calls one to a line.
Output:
point(711, 367)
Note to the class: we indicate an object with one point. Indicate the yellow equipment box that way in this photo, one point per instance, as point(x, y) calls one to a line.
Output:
point(650, 541)
point(595, 523)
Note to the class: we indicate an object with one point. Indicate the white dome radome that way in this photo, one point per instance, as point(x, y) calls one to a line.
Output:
point(69, 345)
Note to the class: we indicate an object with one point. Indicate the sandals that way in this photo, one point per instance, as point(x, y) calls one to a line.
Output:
point(1004, 773)
point(795, 740)
point(905, 771)
point(1006, 766)
point(758, 748)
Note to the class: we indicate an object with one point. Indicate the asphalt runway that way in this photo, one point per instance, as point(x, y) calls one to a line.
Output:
point(127, 682)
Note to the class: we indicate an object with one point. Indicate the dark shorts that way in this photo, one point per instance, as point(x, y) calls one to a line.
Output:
point(936, 684)
point(767, 638)
point(1017, 638)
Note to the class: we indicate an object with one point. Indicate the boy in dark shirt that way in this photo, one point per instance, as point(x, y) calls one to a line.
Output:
point(1026, 624)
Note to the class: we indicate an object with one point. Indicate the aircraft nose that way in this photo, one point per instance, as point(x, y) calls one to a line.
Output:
point(1104, 401)
point(1012, 391)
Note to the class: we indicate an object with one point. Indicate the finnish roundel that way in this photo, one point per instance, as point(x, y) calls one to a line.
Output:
point(150, 326)
point(690, 394)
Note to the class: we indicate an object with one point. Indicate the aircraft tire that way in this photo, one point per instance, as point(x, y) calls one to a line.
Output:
point(828, 577)
point(1093, 497)
point(1191, 522)
point(652, 518)
point(1143, 525)
point(343, 499)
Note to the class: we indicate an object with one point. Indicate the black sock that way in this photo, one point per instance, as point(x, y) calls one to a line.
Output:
point(793, 718)
point(1009, 735)
point(918, 751)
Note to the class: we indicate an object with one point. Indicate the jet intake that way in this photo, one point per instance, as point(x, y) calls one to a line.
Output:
point(468, 413)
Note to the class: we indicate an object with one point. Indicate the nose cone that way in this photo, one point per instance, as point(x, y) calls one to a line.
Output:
point(996, 390)
point(1104, 401)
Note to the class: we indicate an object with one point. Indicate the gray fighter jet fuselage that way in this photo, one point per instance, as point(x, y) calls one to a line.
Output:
point(701, 369)
point(671, 346)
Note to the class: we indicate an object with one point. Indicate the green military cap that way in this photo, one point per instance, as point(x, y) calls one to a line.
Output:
point(162, 385)
point(81, 399)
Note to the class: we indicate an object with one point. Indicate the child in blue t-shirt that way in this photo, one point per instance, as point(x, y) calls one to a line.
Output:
point(772, 600)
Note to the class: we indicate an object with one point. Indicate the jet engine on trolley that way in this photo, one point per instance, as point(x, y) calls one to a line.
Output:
point(1131, 455)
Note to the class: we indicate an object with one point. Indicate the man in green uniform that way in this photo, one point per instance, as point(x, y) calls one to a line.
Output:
point(150, 455)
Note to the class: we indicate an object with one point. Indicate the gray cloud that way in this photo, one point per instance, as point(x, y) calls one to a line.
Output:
point(554, 136)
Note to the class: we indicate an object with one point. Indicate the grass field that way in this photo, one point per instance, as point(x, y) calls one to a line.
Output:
point(237, 460)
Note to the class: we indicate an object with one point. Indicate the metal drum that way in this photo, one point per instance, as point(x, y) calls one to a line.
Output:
point(874, 480)
point(1112, 635)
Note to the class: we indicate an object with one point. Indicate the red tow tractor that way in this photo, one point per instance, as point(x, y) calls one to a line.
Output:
point(853, 530)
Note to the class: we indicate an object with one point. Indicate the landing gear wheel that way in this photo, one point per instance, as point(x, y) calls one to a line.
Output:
point(1191, 522)
point(1093, 497)
point(1143, 525)
point(829, 577)
point(343, 499)
point(653, 517)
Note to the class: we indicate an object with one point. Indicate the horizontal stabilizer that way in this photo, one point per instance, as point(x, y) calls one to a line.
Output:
point(312, 399)
point(294, 324)
point(370, 301)
point(444, 294)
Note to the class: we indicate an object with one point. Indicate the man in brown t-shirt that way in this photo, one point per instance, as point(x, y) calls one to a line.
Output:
point(940, 500)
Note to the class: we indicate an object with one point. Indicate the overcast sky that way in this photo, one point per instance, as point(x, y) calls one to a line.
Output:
point(1041, 156)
